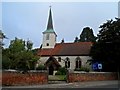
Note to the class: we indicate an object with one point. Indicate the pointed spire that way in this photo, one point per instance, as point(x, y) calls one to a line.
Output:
point(50, 23)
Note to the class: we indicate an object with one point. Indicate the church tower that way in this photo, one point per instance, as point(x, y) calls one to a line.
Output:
point(49, 35)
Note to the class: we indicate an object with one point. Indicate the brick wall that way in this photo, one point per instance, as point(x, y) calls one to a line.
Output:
point(31, 78)
point(90, 76)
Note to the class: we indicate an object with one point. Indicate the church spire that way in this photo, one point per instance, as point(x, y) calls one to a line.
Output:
point(50, 22)
point(49, 35)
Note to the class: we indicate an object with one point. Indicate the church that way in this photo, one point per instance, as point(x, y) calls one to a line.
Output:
point(69, 55)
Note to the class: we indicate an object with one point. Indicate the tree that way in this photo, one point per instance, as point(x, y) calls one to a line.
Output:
point(107, 47)
point(20, 55)
point(2, 36)
point(17, 45)
point(15, 49)
point(87, 35)
point(29, 45)
point(5, 59)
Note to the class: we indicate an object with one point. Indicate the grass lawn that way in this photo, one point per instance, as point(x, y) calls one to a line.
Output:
point(57, 77)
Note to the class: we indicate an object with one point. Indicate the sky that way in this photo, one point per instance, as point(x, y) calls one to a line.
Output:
point(27, 20)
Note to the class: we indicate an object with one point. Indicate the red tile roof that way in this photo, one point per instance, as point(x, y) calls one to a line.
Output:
point(67, 49)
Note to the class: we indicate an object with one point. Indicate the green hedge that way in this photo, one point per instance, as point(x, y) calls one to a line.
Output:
point(61, 71)
point(82, 69)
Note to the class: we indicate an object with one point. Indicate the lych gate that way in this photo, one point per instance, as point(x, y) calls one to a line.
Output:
point(52, 64)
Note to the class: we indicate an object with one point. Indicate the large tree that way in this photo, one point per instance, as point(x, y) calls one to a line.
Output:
point(2, 36)
point(107, 48)
point(19, 55)
point(87, 35)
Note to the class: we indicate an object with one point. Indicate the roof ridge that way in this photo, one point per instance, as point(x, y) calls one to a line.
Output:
point(73, 42)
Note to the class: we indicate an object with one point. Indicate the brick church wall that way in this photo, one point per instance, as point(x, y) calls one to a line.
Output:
point(32, 78)
point(90, 76)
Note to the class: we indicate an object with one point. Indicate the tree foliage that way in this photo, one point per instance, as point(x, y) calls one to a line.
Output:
point(87, 35)
point(2, 36)
point(19, 55)
point(107, 47)
point(5, 59)
point(29, 45)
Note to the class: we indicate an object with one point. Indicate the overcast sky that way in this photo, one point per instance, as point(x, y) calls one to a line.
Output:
point(29, 19)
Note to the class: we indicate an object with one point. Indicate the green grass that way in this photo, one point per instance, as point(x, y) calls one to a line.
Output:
point(57, 78)
point(62, 77)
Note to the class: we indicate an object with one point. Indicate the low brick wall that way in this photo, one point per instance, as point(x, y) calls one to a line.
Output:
point(90, 76)
point(16, 78)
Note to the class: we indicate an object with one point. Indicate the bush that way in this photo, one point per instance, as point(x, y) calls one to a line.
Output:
point(61, 71)
point(82, 69)
point(58, 73)
point(5, 63)
point(41, 67)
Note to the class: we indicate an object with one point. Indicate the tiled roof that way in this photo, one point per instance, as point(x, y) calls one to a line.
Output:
point(52, 61)
point(67, 49)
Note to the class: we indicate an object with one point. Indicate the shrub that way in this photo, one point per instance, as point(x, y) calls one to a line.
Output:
point(58, 73)
point(82, 69)
point(61, 71)
point(41, 67)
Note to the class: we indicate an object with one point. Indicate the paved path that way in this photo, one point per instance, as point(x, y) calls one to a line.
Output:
point(56, 77)
point(53, 77)
point(99, 84)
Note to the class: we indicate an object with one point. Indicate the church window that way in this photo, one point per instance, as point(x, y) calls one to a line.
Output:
point(47, 44)
point(78, 62)
point(47, 37)
point(67, 63)
point(59, 59)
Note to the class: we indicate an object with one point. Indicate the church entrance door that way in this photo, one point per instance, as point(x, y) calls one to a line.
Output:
point(52, 64)
point(51, 70)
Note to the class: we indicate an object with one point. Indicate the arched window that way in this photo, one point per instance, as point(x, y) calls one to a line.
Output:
point(67, 63)
point(78, 62)
point(59, 59)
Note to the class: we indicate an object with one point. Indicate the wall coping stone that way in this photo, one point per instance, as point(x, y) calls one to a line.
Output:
point(90, 72)
point(31, 71)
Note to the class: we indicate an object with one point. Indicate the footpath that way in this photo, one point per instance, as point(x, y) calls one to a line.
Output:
point(63, 84)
